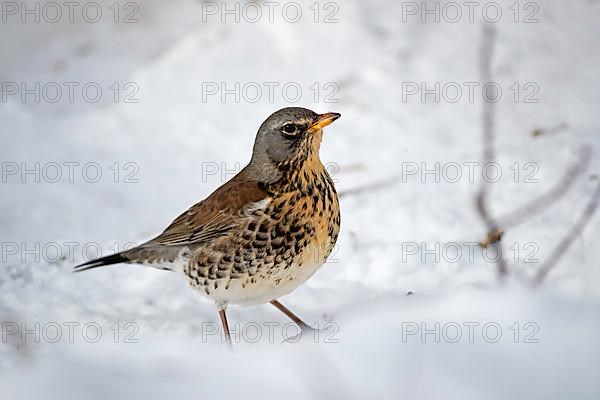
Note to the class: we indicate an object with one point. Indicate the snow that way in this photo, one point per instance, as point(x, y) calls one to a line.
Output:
point(182, 144)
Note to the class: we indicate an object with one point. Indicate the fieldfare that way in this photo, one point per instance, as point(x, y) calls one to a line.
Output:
point(261, 234)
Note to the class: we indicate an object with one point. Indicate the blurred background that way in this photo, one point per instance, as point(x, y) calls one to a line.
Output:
point(117, 116)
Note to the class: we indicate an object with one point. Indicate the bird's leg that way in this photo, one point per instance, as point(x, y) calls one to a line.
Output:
point(303, 325)
point(225, 328)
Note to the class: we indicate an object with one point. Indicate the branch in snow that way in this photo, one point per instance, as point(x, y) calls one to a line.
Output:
point(488, 127)
point(544, 201)
point(575, 231)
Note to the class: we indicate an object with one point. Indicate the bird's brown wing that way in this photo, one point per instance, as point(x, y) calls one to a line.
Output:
point(214, 216)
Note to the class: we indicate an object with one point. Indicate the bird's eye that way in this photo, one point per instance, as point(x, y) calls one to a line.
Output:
point(289, 128)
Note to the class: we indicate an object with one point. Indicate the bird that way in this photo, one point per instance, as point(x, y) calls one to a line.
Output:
point(262, 233)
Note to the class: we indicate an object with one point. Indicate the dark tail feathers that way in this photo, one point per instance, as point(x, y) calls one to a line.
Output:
point(102, 261)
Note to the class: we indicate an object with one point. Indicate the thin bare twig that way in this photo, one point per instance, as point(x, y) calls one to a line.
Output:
point(545, 131)
point(488, 125)
point(544, 201)
point(575, 231)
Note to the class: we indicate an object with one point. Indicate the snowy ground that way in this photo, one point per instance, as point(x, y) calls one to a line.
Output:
point(177, 144)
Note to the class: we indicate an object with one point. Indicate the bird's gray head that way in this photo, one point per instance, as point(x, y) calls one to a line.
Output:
point(289, 136)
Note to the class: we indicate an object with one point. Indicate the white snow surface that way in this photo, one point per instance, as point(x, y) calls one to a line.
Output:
point(548, 343)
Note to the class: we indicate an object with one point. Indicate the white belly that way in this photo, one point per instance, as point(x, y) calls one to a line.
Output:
point(265, 288)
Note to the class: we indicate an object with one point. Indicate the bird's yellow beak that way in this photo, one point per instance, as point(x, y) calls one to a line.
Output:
point(323, 120)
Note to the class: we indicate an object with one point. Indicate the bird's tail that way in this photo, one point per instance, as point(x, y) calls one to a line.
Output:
point(102, 261)
point(170, 258)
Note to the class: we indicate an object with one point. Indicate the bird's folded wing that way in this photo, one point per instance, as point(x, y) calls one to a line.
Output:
point(223, 210)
